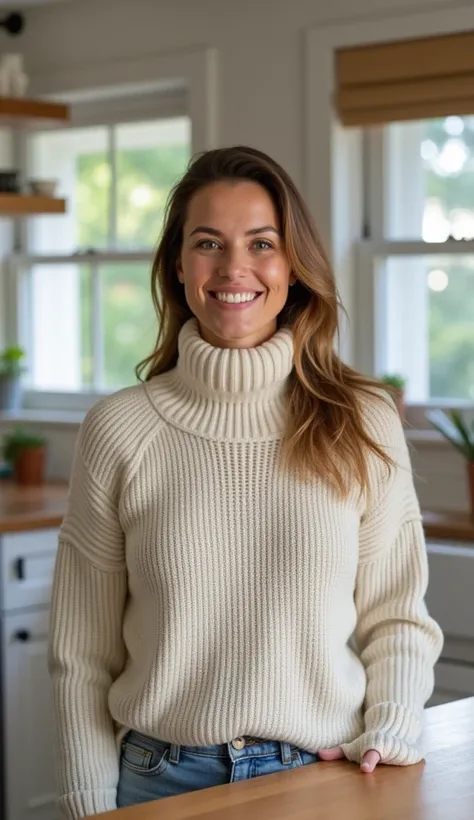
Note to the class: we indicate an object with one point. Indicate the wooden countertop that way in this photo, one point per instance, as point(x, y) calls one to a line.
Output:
point(31, 508)
point(440, 789)
point(452, 525)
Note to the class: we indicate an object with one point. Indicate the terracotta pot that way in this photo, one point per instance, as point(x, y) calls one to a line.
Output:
point(470, 484)
point(29, 466)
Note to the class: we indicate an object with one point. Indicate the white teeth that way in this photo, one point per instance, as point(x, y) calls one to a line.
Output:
point(236, 297)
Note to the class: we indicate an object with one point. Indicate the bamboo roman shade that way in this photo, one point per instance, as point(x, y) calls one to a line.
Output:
point(406, 80)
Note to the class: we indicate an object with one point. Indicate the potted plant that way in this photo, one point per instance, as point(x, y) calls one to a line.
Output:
point(25, 452)
point(460, 433)
point(11, 368)
point(395, 384)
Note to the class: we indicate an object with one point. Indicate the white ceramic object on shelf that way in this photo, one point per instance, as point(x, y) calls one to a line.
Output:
point(13, 79)
point(42, 187)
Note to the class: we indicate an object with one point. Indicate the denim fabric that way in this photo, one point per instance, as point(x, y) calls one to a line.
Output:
point(151, 769)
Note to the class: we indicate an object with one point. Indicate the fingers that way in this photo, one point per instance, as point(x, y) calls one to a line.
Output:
point(331, 754)
point(370, 761)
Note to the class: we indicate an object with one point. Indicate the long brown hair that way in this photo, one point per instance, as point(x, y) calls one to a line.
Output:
point(325, 426)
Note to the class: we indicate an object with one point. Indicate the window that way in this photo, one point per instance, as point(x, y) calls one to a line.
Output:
point(420, 255)
point(88, 317)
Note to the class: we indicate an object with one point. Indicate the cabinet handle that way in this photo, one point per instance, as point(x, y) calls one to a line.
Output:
point(20, 569)
point(23, 635)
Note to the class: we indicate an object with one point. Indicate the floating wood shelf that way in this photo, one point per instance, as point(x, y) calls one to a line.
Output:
point(12, 205)
point(22, 113)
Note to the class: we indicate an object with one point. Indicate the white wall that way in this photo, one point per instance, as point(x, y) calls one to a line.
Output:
point(259, 45)
point(261, 92)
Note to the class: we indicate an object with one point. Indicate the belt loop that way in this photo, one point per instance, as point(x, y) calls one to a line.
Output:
point(285, 753)
point(174, 753)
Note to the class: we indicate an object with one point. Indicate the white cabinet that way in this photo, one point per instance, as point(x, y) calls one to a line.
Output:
point(27, 566)
point(450, 601)
point(27, 779)
point(28, 718)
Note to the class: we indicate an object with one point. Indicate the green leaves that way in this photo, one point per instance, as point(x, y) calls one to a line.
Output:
point(11, 362)
point(16, 441)
point(394, 380)
point(454, 427)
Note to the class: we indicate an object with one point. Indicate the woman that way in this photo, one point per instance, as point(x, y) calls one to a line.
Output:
point(241, 572)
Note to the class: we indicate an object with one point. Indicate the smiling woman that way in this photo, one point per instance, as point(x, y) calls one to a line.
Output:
point(241, 573)
point(236, 283)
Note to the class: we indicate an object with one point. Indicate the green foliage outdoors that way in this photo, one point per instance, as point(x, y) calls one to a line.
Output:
point(451, 312)
point(128, 319)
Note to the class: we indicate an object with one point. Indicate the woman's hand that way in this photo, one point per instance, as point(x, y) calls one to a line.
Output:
point(369, 762)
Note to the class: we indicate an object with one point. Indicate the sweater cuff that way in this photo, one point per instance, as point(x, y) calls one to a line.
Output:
point(76, 805)
point(393, 731)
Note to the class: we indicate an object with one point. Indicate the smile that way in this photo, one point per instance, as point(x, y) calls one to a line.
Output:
point(235, 298)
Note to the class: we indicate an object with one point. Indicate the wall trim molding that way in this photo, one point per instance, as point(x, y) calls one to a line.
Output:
point(196, 69)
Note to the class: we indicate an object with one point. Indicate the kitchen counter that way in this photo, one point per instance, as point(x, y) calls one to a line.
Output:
point(440, 788)
point(455, 526)
point(31, 508)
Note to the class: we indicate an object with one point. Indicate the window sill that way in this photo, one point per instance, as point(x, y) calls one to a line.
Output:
point(55, 418)
point(73, 418)
point(426, 438)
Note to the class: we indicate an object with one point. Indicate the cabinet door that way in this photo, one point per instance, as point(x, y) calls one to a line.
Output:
point(27, 560)
point(449, 595)
point(453, 681)
point(28, 718)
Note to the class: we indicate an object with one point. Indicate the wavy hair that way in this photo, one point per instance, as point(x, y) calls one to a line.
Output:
point(325, 432)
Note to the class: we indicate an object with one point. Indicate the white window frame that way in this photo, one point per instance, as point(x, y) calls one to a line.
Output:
point(388, 210)
point(105, 95)
point(334, 165)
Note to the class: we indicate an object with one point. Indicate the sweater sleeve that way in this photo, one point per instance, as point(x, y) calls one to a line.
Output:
point(398, 642)
point(86, 650)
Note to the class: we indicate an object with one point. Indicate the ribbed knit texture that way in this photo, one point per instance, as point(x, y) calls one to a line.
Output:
point(202, 593)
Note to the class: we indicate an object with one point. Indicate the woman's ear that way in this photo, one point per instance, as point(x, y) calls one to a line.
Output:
point(292, 279)
point(179, 271)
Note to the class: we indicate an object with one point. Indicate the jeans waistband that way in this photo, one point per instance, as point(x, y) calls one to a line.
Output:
point(254, 747)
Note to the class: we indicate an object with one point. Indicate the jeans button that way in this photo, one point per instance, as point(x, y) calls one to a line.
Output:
point(238, 743)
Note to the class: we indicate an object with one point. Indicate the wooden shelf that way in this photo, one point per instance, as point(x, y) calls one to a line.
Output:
point(12, 205)
point(22, 113)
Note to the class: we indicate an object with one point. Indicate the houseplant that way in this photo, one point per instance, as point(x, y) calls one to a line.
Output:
point(395, 384)
point(11, 368)
point(25, 452)
point(454, 426)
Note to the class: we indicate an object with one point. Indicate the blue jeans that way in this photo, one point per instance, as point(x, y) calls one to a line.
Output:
point(151, 769)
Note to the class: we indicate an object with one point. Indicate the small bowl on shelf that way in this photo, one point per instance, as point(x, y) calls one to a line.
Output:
point(43, 187)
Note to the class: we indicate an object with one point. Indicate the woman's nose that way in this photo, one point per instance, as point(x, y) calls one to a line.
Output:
point(232, 265)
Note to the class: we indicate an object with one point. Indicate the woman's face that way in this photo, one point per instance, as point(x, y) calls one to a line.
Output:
point(233, 264)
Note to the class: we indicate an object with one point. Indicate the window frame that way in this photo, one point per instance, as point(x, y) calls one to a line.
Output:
point(151, 107)
point(370, 254)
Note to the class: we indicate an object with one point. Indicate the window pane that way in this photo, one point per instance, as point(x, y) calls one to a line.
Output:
point(59, 344)
point(78, 159)
point(427, 325)
point(431, 179)
point(151, 156)
point(128, 321)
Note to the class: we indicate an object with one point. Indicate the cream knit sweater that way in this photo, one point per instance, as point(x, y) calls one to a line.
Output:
point(201, 593)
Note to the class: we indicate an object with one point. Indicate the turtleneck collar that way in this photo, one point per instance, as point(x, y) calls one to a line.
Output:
point(226, 394)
